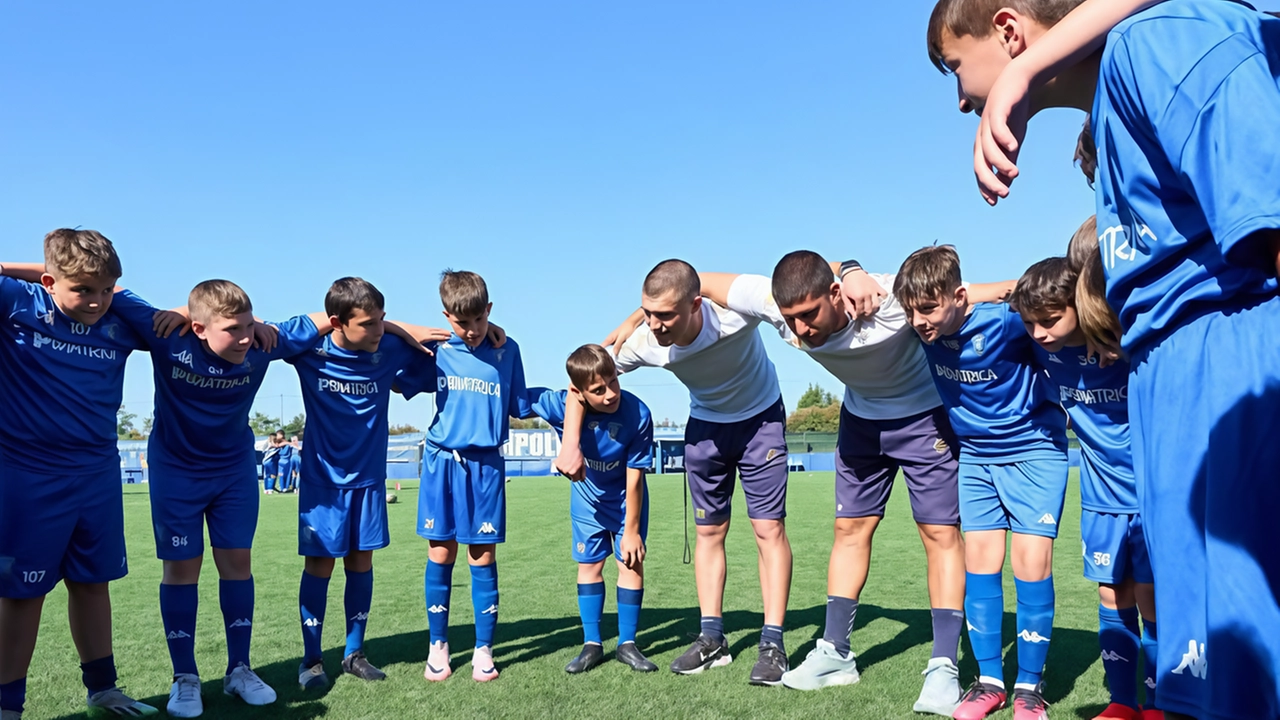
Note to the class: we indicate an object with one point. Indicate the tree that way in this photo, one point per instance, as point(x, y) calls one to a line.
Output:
point(405, 429)
point(263, 424)
point(823, 419)
point(124, 424)
point(815, 397)
point(148, 423)
point(294, 426)
point(530, 424)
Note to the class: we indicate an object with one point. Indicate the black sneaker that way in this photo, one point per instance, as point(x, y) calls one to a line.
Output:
point(356, 664)
point(702, 654)
point(630, 655)
point(592, 655)
point(769, 666)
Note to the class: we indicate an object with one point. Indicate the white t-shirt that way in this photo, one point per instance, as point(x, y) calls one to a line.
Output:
point(725, 368)
point(879, 360)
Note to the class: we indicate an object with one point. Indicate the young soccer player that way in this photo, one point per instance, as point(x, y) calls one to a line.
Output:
point(463, 493)
point(271, 463)
point(346, 380)
point(736, 426)
point(63, 350)
point(891, 418)
point(1013, 469)
point(287, 462)
point(1182, 99)
point(609, 508)
point(1096, 399)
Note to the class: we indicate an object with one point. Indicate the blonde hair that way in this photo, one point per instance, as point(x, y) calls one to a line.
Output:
point(1098, 321)
point(587, 363)
point(927, 274)
point(217, 298)
point(75, 253)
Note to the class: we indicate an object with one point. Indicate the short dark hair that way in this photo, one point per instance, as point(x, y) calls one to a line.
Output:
point(799, 276)
point(1048, 285)
point(587, 363)
point(463, 293)
point(348, 294)
point(973, 17)
point(928, 274)
point(672, 276)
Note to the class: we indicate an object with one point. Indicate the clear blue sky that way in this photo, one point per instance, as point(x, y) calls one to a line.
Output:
point(560, 149)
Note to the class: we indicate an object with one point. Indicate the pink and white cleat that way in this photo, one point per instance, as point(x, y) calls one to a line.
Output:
point(438, 662)
point(482, 668)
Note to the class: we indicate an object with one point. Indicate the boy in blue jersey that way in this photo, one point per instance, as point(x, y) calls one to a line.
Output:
point(1097, 400)
point(463, 492)
point(287, 460)
point(1013, 469)
point(1183, 99)
point(347, 379)
point(609, 508)
point(63, 349)
point(271, 463)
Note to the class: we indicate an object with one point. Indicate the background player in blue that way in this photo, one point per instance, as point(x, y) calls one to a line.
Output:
point(286, 463)
point(1013, 469)
point(346, 380)
point(202, 467)
point(271, 462)
point(609, 508)
point(61, 513)
point(463, 492)
point(1097, 400)
point(1185, 95)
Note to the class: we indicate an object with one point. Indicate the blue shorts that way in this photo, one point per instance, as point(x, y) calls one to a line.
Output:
point(1204, 411)
point(463, 496)
point(181, 505)
point(1025, 497)
point(334, 522)
point(598, 527)
point(59, 527)
point(1114, 547)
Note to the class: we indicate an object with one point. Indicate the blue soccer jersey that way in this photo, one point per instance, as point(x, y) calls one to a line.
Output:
point(1097, 401)
point(345, 394)
point(997, 399)
point(477, 391)
point(611, 443)
point(1182, 183)
point(63, 382)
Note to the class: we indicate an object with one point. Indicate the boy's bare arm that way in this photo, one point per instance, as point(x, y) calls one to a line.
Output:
point(632, 546)
point(621, 333)
point(995, 292)
point(569, 461)
point(715, 286)
point(30, 272)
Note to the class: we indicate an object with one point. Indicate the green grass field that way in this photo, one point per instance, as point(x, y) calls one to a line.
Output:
point(538, 632)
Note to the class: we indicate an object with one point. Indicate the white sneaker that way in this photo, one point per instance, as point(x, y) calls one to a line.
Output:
point(245, 684)
point(184, 696)
point(482, 668)
point(823, 667)
point(941, 692)
point(114, 701)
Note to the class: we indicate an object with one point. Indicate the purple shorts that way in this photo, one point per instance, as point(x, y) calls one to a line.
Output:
point(756, 448)
point(869, 454)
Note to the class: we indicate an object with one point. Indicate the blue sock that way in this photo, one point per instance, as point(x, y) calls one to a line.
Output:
point(713, 627)
point(439, 586)
point(1035, 626)
point(591, 608)
point(13, 695)
point(629, 602)
point(1149, 642)
point(1119, 646)
point(947, 625)
point(772, 634)
point(484, 598)
point(236, 597)
point(841, 612)
point(98, 675)
point(313, 597)
point(984, 609)
point(178, 605)
point(357, 600)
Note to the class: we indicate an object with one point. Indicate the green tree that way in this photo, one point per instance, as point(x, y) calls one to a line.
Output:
point(124, 424)
point(263, 424)
point(815, 396)
point(294, 426)
point(530, 424)
point(823, 419)
point(405, 429)
point(148, 423)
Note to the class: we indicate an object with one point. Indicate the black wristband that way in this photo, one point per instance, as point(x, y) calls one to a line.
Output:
point(849, 266)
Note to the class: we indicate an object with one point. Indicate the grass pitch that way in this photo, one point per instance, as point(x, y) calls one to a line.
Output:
point(538, 631)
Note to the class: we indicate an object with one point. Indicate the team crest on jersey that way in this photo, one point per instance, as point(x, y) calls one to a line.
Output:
point(593, 425)
point(979, 343)
point(940, 446)
point(112, 330)
point(375, 358)
point(951, 344)
point(184, 357)
point(614, 429)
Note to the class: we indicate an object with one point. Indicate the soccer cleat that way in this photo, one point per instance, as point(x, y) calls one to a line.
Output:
point(823, 667)
point(245, 684)
point(357, 665)
point(979, 701)
point(114, 702)
point(482, 668)
point(1029, 705)
point(438, 662)
point(628, 654)
point(313, 677)
point(941, 692)
point(770, 665)
point(592, 655)
point(1116, 711)
point(702, 654)
point(184, 697)
point(1151, 714)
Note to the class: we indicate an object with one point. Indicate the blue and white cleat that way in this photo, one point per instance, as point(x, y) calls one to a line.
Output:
point(823, 667)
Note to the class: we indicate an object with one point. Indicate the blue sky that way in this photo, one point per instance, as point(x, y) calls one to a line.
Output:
point(560, 149)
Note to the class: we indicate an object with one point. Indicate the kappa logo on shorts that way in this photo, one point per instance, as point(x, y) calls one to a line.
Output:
point(1195, 660)
point(700, 513)
point(940, 446)
point(979, 343)
point(1047, 519)
point(582, 547)
point(429, 524)
point(487, 529)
